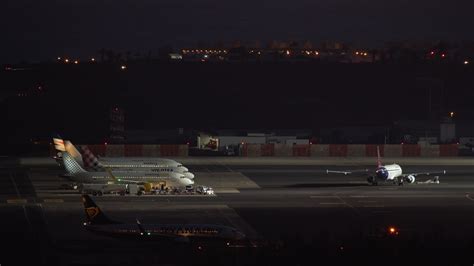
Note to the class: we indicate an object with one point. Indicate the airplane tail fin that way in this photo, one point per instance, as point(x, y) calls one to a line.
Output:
point(71, 165)
point(71, 149)
point(90, 161)
point(59, 144)
point(379, 159)
point(94, 214)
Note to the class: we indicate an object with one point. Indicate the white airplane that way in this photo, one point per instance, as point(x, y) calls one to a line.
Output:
point(159, 179)
point(390, 172)
point(88, 160)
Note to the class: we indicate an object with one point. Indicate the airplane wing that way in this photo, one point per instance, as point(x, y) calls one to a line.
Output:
point(443, 172)
point(350, 172)
point(410, 178)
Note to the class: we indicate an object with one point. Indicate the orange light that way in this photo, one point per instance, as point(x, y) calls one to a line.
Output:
point(392, 230)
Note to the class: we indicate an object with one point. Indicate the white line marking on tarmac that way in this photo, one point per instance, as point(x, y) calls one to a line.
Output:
point(53, 200)
point(17, 201)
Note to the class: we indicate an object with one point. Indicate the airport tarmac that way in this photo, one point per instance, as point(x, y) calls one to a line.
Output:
point(300, 209)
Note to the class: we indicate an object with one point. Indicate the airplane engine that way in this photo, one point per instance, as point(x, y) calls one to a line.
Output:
point(410, 179)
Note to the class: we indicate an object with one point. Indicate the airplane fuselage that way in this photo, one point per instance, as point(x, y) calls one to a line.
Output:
point(388, 172)
point(171, 179)
point(177, 232)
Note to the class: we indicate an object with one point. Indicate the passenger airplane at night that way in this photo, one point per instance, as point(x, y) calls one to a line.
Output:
point(390, 172)
point(87, 159)
point(165, 179)
point(97, 222)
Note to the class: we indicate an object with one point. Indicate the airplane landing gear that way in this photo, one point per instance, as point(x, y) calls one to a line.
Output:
point(372, 180)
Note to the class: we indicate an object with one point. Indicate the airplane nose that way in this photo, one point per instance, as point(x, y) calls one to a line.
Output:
point(189, 175)
point(184, 169)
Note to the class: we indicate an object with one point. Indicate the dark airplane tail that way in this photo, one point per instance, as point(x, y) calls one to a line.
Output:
point(94, 214)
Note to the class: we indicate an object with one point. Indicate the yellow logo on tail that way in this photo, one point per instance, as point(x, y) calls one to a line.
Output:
point(92, 212)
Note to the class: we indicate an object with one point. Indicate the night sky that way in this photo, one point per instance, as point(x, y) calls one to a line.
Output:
point(41, 30)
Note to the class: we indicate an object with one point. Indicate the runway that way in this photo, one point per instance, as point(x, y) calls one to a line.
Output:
point(299, 209)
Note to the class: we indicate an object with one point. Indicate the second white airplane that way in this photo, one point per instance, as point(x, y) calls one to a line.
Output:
point(389, 173)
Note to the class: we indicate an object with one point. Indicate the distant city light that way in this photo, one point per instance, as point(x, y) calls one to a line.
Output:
point(287, 52)
point(443, 55)
point(451, 114)
point(93, 59)
point(76, 62)
point(365, 54)
point(357, 53)
point(317, 53)
point(66, 60)
point(432, 53)
point(466, 62)
point(59, 58)
point(123, 67)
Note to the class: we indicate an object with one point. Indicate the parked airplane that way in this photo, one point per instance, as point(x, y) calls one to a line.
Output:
point(390, 172)
point(87, 159)
point(99, 223)
point(159, 179)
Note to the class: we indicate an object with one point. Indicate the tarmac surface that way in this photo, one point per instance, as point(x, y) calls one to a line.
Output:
point(293, 210)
